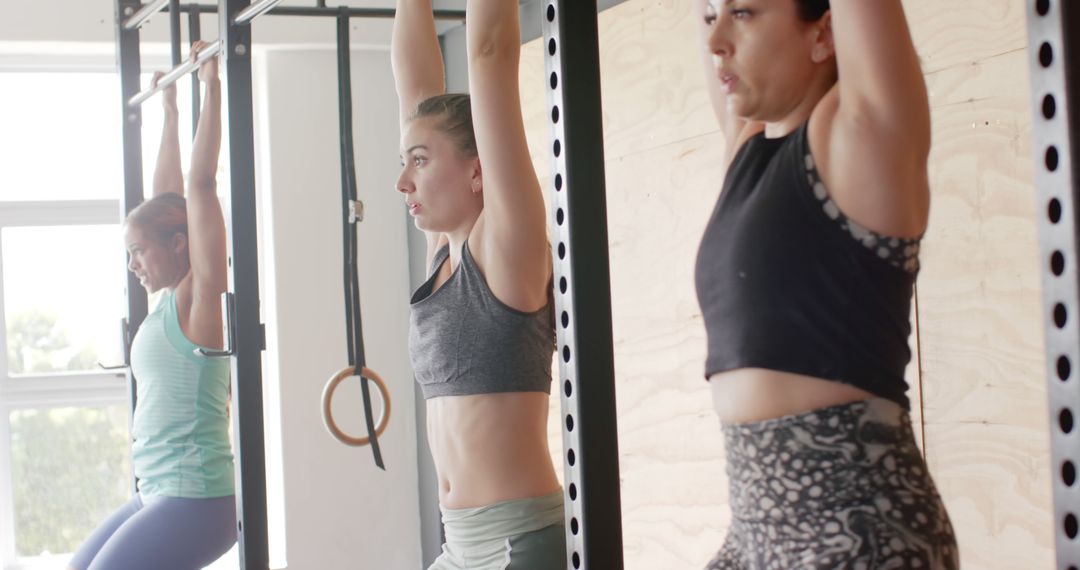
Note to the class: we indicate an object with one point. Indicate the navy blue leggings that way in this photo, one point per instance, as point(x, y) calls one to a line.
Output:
point(165, 534)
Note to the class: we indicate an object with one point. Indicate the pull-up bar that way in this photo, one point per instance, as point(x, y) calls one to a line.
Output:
point(177, 72)
point(255, 10)
point(139, 18)
point(320, 11)
point(270, 7)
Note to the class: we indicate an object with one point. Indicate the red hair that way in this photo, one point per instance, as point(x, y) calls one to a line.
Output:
point(162, 217)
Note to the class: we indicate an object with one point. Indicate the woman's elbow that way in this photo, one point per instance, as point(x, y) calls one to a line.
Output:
point(494, 43)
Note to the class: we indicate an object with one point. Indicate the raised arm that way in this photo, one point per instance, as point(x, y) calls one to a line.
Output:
point(415, 55)
point(880, 77)
point(878, 140)
point(418, 70)
point(515, 228)
point(206, 225)
point(167, 174)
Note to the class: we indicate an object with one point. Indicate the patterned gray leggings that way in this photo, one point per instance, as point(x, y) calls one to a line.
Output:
point(840, 487)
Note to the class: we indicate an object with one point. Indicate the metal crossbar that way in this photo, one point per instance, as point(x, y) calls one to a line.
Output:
point(213, 50)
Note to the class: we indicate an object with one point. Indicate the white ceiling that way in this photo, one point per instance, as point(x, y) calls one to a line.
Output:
point(26, 23)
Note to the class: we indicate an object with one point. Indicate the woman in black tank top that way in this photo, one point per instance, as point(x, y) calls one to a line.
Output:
point(805, 277)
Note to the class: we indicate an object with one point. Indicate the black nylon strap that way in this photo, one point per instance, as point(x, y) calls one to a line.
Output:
point(353, 323)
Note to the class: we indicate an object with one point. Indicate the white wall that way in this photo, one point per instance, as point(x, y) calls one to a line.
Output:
point(340, 510)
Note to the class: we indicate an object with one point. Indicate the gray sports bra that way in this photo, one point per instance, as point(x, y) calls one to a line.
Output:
point(464, 341)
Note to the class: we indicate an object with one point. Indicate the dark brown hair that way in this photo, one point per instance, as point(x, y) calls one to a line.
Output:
point(812, 10)
point(454, 114)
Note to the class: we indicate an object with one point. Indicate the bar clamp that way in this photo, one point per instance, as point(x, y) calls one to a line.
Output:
point(228, 321)
point(356, 211)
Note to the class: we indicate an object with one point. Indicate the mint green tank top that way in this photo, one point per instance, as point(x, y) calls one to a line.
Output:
point(181, 440)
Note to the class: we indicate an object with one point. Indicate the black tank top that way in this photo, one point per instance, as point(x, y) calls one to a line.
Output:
point(787, 283)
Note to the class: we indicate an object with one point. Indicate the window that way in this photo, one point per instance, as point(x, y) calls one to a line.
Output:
point(58, 319)
point(64, 435)
point(49, 122)
point(65, 131)
point(70, 468)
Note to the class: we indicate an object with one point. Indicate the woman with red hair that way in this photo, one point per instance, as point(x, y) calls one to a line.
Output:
point(184, 513)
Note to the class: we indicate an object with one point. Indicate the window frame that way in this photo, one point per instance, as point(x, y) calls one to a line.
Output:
point(98, 388)
point(66, 389)
point(93, 388)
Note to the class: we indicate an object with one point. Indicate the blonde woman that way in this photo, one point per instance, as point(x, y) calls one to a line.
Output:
point(481, 335)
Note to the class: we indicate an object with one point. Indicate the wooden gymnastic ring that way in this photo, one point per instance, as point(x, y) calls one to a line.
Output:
point(328, 396)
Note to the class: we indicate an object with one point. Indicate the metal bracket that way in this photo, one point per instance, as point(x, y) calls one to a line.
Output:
point(228, 321)
point(356, 211)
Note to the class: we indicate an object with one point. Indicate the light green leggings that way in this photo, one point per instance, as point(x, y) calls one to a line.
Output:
point(523, 534)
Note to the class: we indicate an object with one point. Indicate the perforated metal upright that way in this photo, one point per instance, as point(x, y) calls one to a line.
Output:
point(1054, 48)
point(244, 283)
point(582, 286)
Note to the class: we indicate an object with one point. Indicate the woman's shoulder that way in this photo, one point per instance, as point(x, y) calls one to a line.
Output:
point(738, 140)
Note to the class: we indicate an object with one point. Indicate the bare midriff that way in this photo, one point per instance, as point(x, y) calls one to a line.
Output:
point(756, 394)
point(490, 448)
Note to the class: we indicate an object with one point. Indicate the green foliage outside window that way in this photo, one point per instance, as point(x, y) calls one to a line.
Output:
point(70, 470)
point(37, 345)
point(70, 467)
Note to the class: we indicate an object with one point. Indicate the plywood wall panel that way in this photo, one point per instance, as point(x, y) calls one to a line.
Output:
point(533, 83)
point(980, 317)
point(673, 486)
point(980, 321)
point(651, 76)
point(995, 483)
point(949, 33)
point(1002, 78)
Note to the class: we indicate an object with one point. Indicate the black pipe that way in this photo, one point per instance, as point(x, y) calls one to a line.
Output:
point(174, 30)
point(247, 379)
